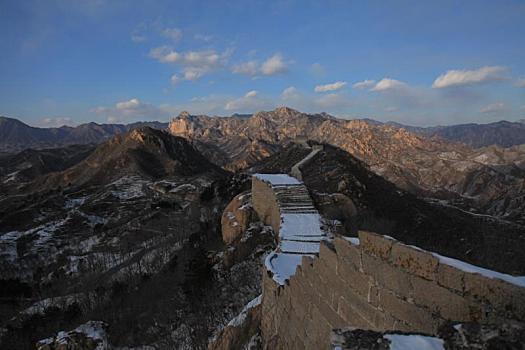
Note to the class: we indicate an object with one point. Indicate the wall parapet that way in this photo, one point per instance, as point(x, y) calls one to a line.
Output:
point(378, 283)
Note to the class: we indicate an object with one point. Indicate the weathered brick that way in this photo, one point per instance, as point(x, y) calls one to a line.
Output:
point(376, 245)
point(360, 305)
point(306, 262)
point(298, 343)
point(331, 315)
point(501, 299)
point(353, 278)
point(418, 262)
point(440, 300)
point(352, 318)
point(450, 277)
point(327, 255)
point(318, 329)
point(325, 291)
point(327, 272)
point(373, 295)
point(421, 319)
point(339, 286)
point(387, 275)
point(399, 325)
point(347, 251)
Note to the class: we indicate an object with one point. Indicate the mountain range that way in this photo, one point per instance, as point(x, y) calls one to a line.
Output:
point(502, 133)
point(490, 179)
point(129, 231)
point(16, 135)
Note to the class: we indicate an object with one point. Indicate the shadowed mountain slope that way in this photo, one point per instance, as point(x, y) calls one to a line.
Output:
point(384, 208)
point(146, 152)
point(16, 136)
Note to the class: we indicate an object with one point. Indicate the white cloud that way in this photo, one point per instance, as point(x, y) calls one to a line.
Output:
point(174, 34)
point(55, 122)
point(138, 38)
point(252, 93)
point(250, 102)
point(520, 83)
point(175, 79)
point(493, 108)
point(195, 63)
point(387, 84)
point(164, 54)
point(130, 104)
point(365, 84)
point(194, 73)
point(274, 65)
point(247, 68)
point(290, 93)
point(129, 111)
point(469, 77)
point(203, 58)
point(330, 87)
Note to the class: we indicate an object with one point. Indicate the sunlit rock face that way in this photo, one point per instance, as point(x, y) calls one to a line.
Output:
point(485, 179)
point(236, 217)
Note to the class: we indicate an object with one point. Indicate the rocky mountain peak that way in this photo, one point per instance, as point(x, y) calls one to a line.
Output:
point(286, 110)
point(184, 114)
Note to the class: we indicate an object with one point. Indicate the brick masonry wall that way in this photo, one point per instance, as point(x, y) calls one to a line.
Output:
point(380, 284)
point(265, 204)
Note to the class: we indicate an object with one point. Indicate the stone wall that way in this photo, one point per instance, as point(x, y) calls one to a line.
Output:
point(379, 284)
point(265, 204)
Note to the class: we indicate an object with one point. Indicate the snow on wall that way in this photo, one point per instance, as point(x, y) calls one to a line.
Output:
point(299, 233)
point(278, 179)
point(463, 266)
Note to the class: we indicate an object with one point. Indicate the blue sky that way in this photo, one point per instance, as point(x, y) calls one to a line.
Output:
point(416, 62)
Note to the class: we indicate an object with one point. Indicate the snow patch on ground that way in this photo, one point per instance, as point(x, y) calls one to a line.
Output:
point(75, 202)
point(128, 187)
point(61, 302)
point(43, 234)
point(184, 188)
point(241, 317)
point(11, 177)
point(94, 330)
point(414, 342)
point(8, 250)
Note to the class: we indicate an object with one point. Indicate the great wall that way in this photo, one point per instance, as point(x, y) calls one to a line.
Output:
point(319, 291)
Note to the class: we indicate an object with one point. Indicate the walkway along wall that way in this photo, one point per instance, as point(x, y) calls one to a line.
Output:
point(377, 283)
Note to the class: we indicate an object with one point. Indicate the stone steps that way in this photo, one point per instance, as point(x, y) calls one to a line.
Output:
point(302, 211)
